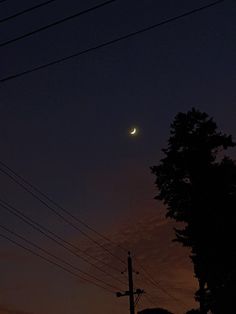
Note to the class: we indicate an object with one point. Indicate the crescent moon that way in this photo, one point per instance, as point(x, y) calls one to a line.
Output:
point(133, 131)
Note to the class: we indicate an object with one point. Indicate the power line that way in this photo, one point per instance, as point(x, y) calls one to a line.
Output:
point(43, 28)
point(138, 299)
point(37, 190)
point(149, 300)
point(56, 257)
point(157, 284)
point(108, 43)
point(10, 17)
point(53, 263)
point(36, 226)
point(62, 217)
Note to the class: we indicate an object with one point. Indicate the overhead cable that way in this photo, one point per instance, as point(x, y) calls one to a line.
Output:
point(54, 263)
point(50, 25)
point(56, 257)
point(10, 17)
point(62, 217)
point(55, 238)
point(48, 198)
point(107, 43)
point(158, 285)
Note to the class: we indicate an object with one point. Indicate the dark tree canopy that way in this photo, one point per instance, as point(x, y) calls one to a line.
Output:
point(193, 311)
point(198, 184)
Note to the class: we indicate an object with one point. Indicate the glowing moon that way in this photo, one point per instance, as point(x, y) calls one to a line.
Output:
point(133, 131)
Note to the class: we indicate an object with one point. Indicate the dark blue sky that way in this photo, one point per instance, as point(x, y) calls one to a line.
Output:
point(66, 127)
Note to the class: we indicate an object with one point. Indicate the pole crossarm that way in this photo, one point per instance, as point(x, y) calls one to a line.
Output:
point(127, 293)
point(131, 292)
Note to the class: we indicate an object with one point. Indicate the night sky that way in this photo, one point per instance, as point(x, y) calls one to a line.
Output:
point(65, 128)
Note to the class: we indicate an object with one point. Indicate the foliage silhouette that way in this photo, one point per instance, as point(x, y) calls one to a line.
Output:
point(193, 311)
point(198, 185)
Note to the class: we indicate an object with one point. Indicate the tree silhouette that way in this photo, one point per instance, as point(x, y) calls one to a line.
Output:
point(198, 185)
point(193, 311)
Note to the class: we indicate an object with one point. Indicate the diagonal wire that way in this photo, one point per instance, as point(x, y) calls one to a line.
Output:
point(53, 263)
point(137, 299)
point(56, 257)
point(18, 213)
point(108, 43)
point(36, 189)
point(58, 22)
point(46, 232)
point(149, 278)
point(156, 284)
point(62, 217)
point(10, 17)
point(149, 300)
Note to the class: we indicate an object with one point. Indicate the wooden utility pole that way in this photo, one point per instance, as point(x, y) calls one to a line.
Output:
point(130, 293)
point(131, 284)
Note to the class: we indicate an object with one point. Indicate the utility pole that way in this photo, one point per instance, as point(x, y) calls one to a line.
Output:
point(131, 284)
point(130, 293)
